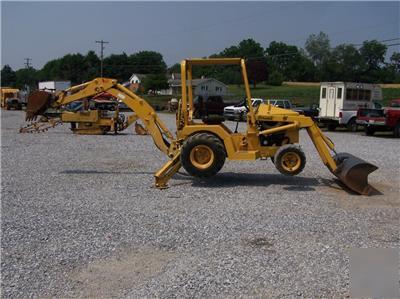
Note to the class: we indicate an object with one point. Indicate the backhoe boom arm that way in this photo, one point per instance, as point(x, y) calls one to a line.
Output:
point(162, 137)
point(39, 101)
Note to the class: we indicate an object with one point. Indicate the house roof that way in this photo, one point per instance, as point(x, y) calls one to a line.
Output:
point(140, 76)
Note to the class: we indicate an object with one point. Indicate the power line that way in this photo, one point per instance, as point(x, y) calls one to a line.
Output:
point(379, 41)
point(101, 42)
point(354, 29)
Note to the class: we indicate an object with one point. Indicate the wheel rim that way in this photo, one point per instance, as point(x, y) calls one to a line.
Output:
point(201, 156)
point(291, 161)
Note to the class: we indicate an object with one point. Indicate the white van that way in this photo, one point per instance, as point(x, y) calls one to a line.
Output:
point(339, 102)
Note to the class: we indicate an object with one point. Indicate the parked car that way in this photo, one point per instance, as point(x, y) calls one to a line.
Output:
point(310, 111)
point(386, 119)
point(238, 111)
point(285, 104)
point(208, 105)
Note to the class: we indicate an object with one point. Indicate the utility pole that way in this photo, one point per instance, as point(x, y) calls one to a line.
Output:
point(28, 62)
point(27, 66)
point(101, 42)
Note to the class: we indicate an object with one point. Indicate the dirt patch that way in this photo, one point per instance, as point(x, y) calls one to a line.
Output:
point(386, 195)
point(111, 277)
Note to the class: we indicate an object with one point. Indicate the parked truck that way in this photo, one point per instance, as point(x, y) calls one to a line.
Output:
point(54, 86)
point(386, 119)
point(10, 98)
point(339, 102)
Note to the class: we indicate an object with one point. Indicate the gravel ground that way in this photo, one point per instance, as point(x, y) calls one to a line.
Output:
point(80, 218)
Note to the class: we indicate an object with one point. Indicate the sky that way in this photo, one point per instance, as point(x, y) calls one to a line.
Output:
point(47, 30)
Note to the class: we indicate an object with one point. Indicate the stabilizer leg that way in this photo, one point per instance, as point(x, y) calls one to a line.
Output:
point(167, 171)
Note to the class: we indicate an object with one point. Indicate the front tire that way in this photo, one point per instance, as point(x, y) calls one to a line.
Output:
point(290, 160)
point(203, 155)
point(352, 125)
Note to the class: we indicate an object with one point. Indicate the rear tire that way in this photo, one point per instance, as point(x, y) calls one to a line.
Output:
point(331, 127)
point(369, 131)
point(352, 125)
point(396, 130)
point(290, 160)
point(203, 155)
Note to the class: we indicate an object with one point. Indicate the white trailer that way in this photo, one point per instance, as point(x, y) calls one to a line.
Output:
point(54, 86)
point(339, 102)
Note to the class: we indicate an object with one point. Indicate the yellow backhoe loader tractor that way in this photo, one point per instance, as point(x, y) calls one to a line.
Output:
point(201, 146)
point(101, 117)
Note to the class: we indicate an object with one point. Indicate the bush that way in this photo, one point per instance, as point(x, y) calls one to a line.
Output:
point(275, 79)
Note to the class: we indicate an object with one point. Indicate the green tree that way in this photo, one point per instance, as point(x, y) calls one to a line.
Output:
point(116, 66)
point(289, 61)
point(395, 61)
point(176, 68)
point(275, 78)
point(249, 48)
point(303, 69)
point(26, 77)
point(92, 62)
point(51, 71)
point(395, 66)
point(8, 76)
point(282, 58)
point(344, 64)
point(147, 62)
point(373, 55)
point(318, 48)
point(155, 82)
point(73, 68)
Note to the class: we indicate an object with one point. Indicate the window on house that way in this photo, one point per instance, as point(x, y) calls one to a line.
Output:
point(339, 93)
point(204, 87)
point(324, 92)
point(218, 88)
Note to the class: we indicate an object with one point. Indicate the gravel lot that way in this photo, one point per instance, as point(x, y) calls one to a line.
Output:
point(80, 218)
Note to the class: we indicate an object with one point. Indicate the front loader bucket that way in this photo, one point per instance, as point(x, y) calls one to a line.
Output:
point(353, 172)
point(38, 102)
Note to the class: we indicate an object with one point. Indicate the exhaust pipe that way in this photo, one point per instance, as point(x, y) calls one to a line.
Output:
point(353, 172)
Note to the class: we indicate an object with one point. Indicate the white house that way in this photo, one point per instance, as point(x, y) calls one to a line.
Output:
point(203, 86)
point(137, 78)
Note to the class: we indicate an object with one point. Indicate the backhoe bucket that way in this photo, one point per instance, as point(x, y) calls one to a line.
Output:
point(38, 102)
point(353, 172)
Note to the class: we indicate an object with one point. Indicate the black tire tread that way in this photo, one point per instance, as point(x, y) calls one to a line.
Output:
point(287, 148)
point(369, 131)
point(331, 127)
point(352, 125)
point(214, 143)
point(396, 130)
